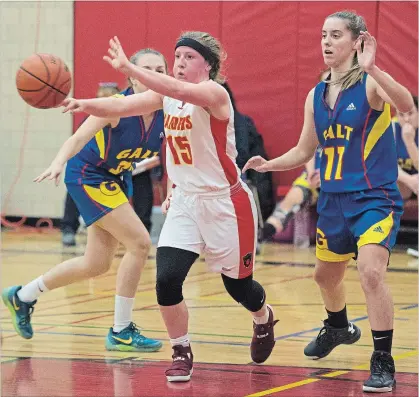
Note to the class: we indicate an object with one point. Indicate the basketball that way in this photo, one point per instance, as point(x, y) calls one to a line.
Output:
point(43, 81)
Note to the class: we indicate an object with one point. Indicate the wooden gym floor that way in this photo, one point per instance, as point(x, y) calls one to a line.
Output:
point(66, 356)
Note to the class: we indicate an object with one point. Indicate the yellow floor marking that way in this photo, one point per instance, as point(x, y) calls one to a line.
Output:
point(327, 375)
point(282, 388)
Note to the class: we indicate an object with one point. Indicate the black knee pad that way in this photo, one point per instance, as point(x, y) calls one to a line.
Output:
point(173, 265)
point(246, 291)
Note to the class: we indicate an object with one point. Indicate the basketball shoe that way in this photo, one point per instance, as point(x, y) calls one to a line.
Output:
point(130, 339)
point(382, 369)
point(182, 366)
point(263, 340)
point(21, 311)
point(329, 337)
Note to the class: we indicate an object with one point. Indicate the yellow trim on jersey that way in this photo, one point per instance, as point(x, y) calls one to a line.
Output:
point(378, 129)
point(100, 141)
point(109, 194)
point(100, 136)
point(378, 232)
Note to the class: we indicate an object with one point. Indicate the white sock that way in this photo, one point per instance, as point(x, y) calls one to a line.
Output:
point(262, 319)
point(123, 312)
point(182, 340)
point(33, 290)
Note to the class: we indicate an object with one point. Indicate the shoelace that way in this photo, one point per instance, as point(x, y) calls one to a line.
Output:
point(180, 365)
point(263, 328)
point(27, 319)
point(324, 335)
point(380, 364)
point(179, 352)
point(137, 331)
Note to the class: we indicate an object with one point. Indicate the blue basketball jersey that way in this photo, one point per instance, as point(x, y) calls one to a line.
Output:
point(403, 158)
point(359, 152)
point(113, 150)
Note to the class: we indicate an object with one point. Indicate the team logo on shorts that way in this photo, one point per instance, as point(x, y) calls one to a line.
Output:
point(109, 188)
point(247, 259)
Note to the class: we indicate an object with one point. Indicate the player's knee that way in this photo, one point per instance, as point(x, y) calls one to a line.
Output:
point(328, 276)
point(372, 266)
point(322, 277)
point(371, 275)
point(246, 291)
point(173, 265)
point(94, 268)
point(141, 243)
point(169, 290)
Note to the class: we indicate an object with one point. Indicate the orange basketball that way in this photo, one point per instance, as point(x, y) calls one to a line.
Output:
point(43, 81)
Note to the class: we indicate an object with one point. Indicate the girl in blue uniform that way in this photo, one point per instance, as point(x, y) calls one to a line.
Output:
point(100, 158)
point(359, 205)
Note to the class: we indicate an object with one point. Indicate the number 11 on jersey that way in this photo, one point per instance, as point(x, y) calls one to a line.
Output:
point(330, 154)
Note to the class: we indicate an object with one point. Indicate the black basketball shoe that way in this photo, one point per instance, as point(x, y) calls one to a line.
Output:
point(329, 337)
point(382, 369)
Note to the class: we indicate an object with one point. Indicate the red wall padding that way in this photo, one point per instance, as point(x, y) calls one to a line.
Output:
point(273, 49)
point(261, 67)
point(398, 42)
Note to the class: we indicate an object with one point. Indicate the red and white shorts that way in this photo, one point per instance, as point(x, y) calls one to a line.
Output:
point(223, 227)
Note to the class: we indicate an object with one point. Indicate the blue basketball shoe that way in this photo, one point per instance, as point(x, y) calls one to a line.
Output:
point(130, 339)
point(21, 311)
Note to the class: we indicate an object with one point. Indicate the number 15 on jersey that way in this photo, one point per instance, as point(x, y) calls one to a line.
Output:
point(181, 149)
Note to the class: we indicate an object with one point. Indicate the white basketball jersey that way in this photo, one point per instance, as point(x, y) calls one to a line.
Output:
point(200, 150)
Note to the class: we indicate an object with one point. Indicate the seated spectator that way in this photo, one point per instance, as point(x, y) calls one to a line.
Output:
point(304, 191)
point(405, 127)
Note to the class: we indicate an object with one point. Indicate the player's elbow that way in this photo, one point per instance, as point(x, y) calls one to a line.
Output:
point(404, 102)
point(304, 153)
point(117, 107)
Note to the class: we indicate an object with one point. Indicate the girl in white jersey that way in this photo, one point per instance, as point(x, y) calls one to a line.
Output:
point(211, 210)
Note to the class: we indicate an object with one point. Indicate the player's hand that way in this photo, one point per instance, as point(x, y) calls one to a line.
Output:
point(408, 132)
point(413, 183)
point(53, 172)
point(166, 204)
point(366, 56)
point(73, 105)
point(256, 163)
point(313, 179)
point(118, 60)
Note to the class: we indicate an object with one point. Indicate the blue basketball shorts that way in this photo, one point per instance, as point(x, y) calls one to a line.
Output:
point(94, 200)
point(347, 221)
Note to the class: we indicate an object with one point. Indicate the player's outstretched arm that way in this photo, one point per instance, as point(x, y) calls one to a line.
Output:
point(73, 145)
point(132, 105)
